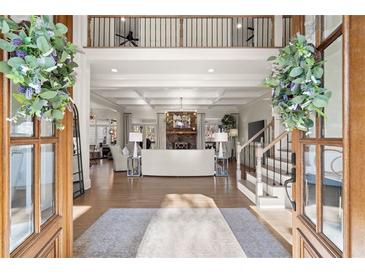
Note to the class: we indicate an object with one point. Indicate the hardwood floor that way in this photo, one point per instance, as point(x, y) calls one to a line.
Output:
point(115, 190)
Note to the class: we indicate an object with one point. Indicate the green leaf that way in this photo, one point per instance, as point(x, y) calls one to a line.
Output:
point(15, 62)
point(320, 101)
point(49, 94)
point(296, 72)
point(5, 45)
point(5, 27)
point(300, 38)
point(61, 28)
point(63, 56)
point(43, 44)
point(20, 97)
point(4, 67)
point(31, 61)
point(57, 114)
point(298, 99)
point(308, 123)
point(271, 58)
point(317, 72)
point(48, 114)
point(49, 62)
point(298, 80)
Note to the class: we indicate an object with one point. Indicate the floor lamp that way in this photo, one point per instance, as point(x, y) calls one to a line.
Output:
point(135, 137)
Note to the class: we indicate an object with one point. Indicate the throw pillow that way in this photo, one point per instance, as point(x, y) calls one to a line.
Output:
point(125, 151)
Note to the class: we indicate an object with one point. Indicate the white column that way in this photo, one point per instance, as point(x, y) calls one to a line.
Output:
point(238, 159)
point(278, 31)
point(81, 91)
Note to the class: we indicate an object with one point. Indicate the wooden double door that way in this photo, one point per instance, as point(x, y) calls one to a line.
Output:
point(35, 181)
point(329, 192)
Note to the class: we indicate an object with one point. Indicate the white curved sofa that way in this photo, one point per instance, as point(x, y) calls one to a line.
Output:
point(177, 162)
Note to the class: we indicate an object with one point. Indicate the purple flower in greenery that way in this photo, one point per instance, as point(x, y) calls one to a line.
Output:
point(36, 87)
point(22, 89)
point(17, 41)
point(28, 93)
point(20, 53)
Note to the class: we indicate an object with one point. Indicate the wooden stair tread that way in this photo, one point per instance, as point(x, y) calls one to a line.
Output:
point(249, 185)
point(277, 170)
point(268, 180)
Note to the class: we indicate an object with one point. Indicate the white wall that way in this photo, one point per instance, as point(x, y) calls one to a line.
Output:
point(81, 92)
point(258, 110)
point(107, 114)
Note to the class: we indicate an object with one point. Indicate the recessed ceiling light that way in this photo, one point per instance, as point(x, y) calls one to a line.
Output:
point(122, 19)
point(211, 70)
point(114, 70)
point(239, 25)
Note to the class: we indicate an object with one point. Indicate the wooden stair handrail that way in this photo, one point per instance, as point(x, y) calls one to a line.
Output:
point(256, 135)
point(275, 141)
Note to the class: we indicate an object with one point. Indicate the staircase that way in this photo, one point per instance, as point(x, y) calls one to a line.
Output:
point(267, 161)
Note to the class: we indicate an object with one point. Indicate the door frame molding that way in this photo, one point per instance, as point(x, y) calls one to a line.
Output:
point(60, 225)
point(353, 35)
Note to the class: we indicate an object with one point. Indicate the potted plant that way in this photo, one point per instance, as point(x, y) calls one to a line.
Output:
point(228, 122)
point(296, 82)
point(41, 62)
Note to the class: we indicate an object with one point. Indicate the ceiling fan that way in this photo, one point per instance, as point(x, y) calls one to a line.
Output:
point(252, 35)
point(129, 38)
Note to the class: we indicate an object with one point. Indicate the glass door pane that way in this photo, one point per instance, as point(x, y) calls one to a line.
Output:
point(330, 23)
point(47, 181)
point(309, 182)
point(310, 28)
point(21, 194)
point(24, 126)
point(332, 124)
point(332, 194)
point(47, 128)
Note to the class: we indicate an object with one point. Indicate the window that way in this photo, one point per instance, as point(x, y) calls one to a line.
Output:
point(322, 174)
point(332, 194)
point(309, 182)
point(47, 181)
point(21, 194)
point(32, 176)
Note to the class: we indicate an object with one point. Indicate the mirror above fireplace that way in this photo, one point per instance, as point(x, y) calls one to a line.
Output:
point(181, 130)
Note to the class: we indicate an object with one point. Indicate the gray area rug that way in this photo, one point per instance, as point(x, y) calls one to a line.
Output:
point(129, 233)
point(116, 234)
point(189, 233)
point(255, 239)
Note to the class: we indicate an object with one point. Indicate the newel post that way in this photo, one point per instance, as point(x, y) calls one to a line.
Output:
point(259, 185)
point(238, 162)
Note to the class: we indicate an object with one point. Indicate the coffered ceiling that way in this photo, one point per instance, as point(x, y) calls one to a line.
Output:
point(163, 79)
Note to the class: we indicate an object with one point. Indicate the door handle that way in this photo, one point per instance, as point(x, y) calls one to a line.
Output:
point(291, 181)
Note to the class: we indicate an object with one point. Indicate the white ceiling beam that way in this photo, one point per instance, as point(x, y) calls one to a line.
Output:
point(100, 100)
point(176, 101)
point(131, 102)
point(175, 83)
point(112, 54)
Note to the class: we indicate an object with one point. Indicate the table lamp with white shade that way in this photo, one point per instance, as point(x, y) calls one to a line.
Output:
point(220, 137)
point(135, 137)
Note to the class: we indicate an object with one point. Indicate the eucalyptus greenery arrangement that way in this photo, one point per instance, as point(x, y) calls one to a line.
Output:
point(296, 84)
point(228, 122)
point(41, 63)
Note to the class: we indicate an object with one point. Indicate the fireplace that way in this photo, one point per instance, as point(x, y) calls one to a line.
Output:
point(181, 145)
point(180, 141)
point(181, 130)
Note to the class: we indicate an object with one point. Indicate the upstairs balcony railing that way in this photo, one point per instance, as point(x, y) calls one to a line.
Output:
point(181, 31)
